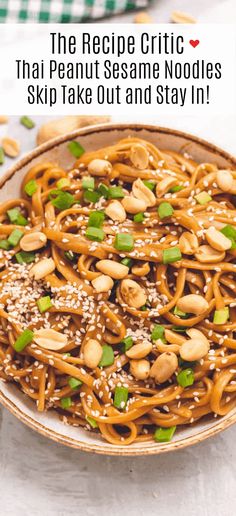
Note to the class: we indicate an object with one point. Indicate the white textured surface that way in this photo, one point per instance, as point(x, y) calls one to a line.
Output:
point(39, 477)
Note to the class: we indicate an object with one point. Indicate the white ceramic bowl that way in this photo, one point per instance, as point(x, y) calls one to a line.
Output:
point(92, 138)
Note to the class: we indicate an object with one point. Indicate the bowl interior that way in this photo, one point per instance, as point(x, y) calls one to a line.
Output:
point(56, 151)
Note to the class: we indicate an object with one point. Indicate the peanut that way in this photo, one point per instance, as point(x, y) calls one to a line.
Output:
point(99, 167)
point(164, 367)
point(66, 125)
point(132, 293)
point(173, 337)
point(92, 353)
point(217, 240)
point(132, 205)
point(143, 17)
point(50, 339)
point(11, 147)
point(141, 269)
point(42, 268)
point(142, 192)
point(194, 349)
point(102, 283)
point(193, 304)
point(116, 211)
point(194, 333)
point(139, 350)
point(140, 369)
point(139, 156)
point(113, 269)
point(33, 241)
point(188, 243)
point(180, 17)
point(164, 185)
point(224, 180)
point(206, 254)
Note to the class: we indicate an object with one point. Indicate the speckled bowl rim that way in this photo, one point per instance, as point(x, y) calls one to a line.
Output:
point(216, 427)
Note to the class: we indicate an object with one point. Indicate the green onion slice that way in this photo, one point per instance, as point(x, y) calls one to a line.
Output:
point(107, 356)
point(164, 435)
point(25, 257)
point(96, 219)
point(165, 210)
point(95, 234)
point(121, 397)
point(15, 237)
point(76, 149)
point(88, 183)
point(124, 242)
point(44, 303)
point(171, 255)
point(31, 187)
point(23, 340)
point(74, 383)
point(185, 378)
point(27, 122)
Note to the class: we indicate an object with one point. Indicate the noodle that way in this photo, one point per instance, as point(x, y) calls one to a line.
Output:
point(117, 296)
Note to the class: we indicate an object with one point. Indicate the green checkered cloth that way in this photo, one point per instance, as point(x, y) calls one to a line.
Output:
point(63, 11)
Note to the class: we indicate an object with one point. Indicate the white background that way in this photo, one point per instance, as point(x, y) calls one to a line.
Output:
point(217, 44)
point(41, 478)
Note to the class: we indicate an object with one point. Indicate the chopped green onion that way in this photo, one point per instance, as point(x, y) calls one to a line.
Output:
point(230, 232)
point(96, 219)
point(124, 242)
point(127, 343)
point(66, 402)
point(107, 356)
point(4, 244)
point(120, 397)
point(44, 303)
point(88, 183)
point(31, 187)
point(103, 190)
point(70, 255)
point(185, 378)
point(63, 200)
point(91, 196)
point(23, 340)
point(179, 313)
point(15, 237)
point(95, 234)
point(165, 210)
point(176, 188)
point(179, 329)
point(127, 261)
point(158, 332)
point(164, 435)
point(2, 156)
point(221, 316)
point(25, 257)
point(91, 421)
point(171, 255)
point(16, 217)
point(143, 308)
point(139, 217)
point(76, 149)
point(74, 383)
point(150, 185)
point(13, 214)
point(27, 122)
point(203, 198)
point(116, 192)
point(63, 183)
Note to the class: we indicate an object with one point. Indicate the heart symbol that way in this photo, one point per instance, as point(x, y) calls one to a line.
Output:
point(194, 42)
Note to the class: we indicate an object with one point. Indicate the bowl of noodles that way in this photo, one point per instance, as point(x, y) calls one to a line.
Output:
point(117, 310)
